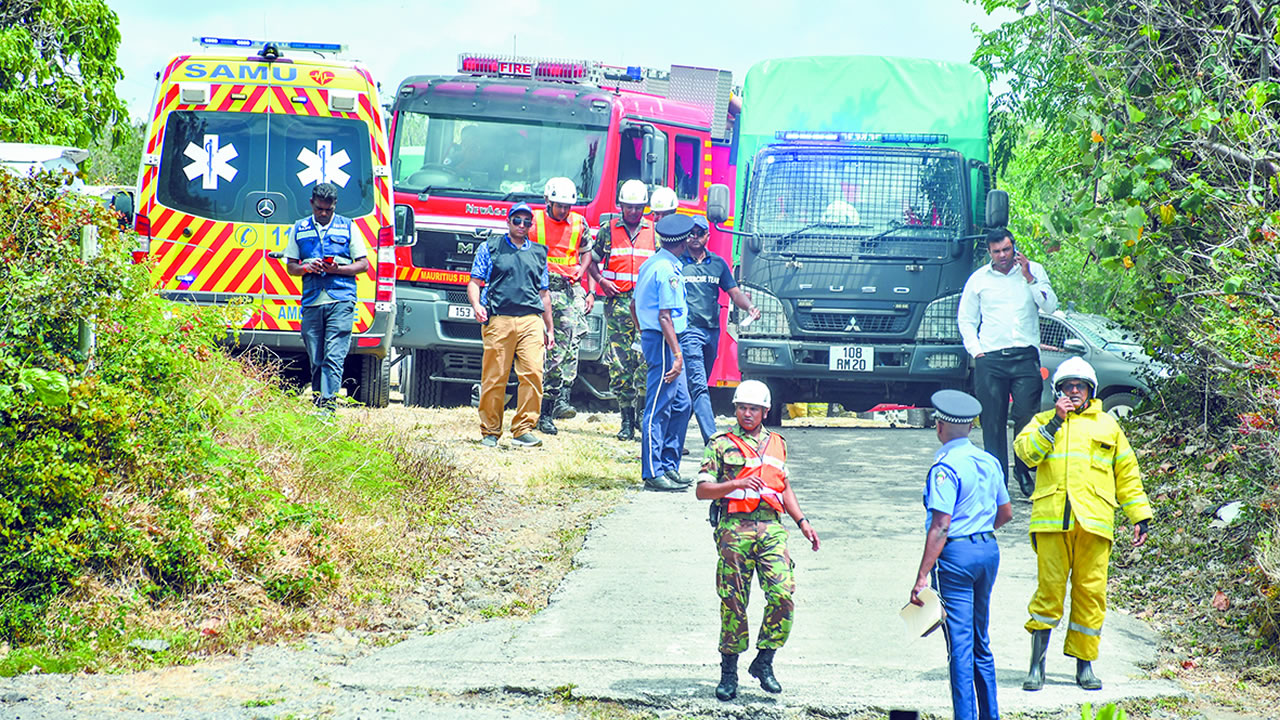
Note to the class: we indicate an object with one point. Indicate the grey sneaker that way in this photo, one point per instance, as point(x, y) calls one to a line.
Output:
point(527, 440)
point(489, 441)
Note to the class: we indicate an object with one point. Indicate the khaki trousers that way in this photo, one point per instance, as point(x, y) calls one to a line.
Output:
point(508, 339)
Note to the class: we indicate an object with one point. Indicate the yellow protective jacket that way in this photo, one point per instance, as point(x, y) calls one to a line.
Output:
point(1087, 469)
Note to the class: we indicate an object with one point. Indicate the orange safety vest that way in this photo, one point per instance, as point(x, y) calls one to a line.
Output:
point(562, 240)
point(769, 464)
point(625, 256)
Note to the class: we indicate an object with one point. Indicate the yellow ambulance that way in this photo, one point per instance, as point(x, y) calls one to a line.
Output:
point(236, 142)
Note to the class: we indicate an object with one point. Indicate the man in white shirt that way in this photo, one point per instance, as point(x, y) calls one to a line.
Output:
point(1000, 323)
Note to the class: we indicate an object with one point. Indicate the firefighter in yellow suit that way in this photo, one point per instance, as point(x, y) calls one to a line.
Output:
point(1085, 470)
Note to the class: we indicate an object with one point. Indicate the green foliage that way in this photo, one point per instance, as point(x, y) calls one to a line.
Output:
point(58, 71)
point(1142, 137)
point(115, 156)
point(1141, 133)
point(1108, 712)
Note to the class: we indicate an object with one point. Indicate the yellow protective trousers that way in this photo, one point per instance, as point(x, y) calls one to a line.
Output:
point(1084, 557)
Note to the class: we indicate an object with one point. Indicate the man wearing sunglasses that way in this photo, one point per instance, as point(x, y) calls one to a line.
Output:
point(1085, 470)
point(514, 309)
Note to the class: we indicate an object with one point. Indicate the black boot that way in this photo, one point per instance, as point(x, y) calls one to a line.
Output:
point(728, 687)
point(762, 669)
point(563, 410)
point(628, 431)
point(1085, 677)
point(1039, 645)
point(545, 424)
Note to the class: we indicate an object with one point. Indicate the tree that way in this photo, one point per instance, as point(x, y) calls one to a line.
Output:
point(114, 158)
point(58, 71)
point(1152, 125)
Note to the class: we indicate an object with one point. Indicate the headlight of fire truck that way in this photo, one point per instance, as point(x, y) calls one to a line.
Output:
point(939, 323)
point(773, 319)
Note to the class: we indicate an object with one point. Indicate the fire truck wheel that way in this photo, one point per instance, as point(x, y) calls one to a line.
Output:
point(373, 381)
point(422, 391)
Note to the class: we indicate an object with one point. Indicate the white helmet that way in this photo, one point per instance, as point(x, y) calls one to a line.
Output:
point(633, 192)
point(1076, 369)
point(840, 213)
point(752, 392)
point(663, 199)
point(561, 190)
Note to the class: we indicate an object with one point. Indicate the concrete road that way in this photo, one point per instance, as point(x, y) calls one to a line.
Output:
point(638, 619)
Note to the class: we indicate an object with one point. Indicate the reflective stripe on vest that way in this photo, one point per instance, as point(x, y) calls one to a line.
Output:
point(769, 464)
point(562, 250)
point(625, 256)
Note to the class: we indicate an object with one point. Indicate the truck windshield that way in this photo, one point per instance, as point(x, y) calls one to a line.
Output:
point(211, 163)
point(855, 201)
point(461, 156)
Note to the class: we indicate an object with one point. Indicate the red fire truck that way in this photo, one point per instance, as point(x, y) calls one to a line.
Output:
point(468, 146)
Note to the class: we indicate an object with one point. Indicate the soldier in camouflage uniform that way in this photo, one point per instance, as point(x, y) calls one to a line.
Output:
point(744, 475)
point(621, 247)
point(569, 311)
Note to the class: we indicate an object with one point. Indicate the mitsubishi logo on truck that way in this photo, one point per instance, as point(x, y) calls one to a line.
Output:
point(852, 326)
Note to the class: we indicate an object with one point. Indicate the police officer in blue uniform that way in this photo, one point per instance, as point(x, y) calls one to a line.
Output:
point(967, 501)
point(661, 312)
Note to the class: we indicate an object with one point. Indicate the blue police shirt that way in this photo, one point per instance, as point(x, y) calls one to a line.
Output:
point(965, 482)
point(661, 287)
point(482, 265)
point(703, 281)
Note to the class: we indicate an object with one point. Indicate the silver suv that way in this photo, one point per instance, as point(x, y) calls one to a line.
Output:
point(1115, 353)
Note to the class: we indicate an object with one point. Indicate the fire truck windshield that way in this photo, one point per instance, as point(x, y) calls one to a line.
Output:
point(494, 158)
point(857, 201)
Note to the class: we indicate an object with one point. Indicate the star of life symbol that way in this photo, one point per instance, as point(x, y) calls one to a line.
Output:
point(323, 165)
point(210, 162)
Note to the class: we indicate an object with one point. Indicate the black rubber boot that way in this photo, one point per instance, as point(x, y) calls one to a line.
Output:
point(564, 411)
point(545, 424)
point(762, 669)
point(1085, 677)
point(1039, 646)
point(628, 431)
point(728, 687)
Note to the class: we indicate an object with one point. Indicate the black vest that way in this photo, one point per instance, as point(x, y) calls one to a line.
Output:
point(515, 278)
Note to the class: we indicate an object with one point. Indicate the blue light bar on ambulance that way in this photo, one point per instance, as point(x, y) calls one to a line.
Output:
point(863, 137)
point(258, 44)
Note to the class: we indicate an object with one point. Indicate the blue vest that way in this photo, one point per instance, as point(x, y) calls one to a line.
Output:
point(335, 243)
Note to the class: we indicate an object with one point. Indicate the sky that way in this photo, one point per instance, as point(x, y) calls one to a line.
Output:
point(398, 39)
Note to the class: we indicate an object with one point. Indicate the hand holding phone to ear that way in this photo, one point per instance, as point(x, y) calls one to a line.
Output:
point(1064, 405)
point(1024, 263)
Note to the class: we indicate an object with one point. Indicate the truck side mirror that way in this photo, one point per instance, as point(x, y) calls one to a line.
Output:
point(406, 229)
point(718, 203)
point(997, 209)
point(123, 203)
point(646, 159)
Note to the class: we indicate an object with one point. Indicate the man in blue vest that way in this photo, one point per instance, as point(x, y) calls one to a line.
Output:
point(329, 255)
point(966, 501)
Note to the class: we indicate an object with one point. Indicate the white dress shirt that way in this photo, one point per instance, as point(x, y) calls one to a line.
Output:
point(1001, 310)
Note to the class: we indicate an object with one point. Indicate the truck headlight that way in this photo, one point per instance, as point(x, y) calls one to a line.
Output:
point(773, 318)
point(939, 323)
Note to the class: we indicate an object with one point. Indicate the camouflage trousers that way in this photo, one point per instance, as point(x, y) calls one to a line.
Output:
point(750, 546)
point(569, 318)
point(627, 367)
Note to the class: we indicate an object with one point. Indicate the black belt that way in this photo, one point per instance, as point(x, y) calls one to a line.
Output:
point(976, 537)
point(1013, 351)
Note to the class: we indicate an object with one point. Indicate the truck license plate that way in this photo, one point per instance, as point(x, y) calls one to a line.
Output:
point(461, 312)
point(852, 358)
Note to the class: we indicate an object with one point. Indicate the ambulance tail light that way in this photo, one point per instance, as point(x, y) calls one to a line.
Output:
point(139, 256)
point(142, 225)
point(386, 278)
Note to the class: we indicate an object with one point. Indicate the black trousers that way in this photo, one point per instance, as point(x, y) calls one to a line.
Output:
point(997, 375)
